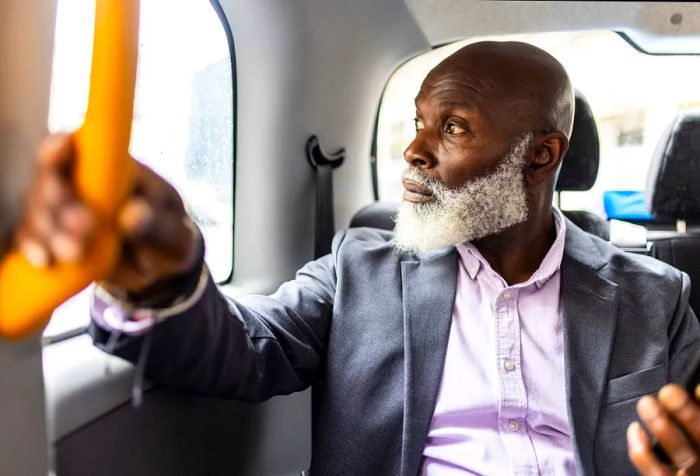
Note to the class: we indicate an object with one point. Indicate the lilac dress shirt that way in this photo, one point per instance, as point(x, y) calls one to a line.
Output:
point(501, 406)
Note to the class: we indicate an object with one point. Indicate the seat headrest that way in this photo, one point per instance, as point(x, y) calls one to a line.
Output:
point(673, 182)
point(579, 168)
point(376, 215)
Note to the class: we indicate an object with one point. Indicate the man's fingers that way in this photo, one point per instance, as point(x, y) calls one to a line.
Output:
point(65, 248)
point(156, 190)
point(54, 190)
point(131, 273)
point(683, 409)
point(136, 218)
point(159, 239)
point(670, 436)
point(640, 453)
point(56, 226)
point(63, 233)
point(40, 221)
point(34, 251)
point(165, 231)
point(158, 244)
point(77, 220)
point(56, 150)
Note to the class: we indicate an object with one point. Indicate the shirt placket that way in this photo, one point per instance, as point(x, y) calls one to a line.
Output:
point(512, 408)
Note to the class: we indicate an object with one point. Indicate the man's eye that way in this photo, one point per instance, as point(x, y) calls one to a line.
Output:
point(452, 128)
point(418, 124)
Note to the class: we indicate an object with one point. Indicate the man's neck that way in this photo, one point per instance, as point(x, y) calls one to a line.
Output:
point(517, 252)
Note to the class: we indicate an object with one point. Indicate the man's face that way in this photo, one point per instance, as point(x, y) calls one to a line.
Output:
point(465, 178)
point(463, 127)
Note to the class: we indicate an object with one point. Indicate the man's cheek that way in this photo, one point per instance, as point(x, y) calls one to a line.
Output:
point(454, 171)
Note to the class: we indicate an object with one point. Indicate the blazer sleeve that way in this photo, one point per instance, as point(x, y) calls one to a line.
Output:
point(251, 348)
point(683, 335)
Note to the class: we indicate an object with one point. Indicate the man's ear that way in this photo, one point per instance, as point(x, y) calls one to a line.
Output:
point(549, 149)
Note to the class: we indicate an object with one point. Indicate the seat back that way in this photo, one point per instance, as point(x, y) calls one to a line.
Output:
point(673, 192)
point(682, 252)
point(673, 182)
point(375, 215)
point(579, 169)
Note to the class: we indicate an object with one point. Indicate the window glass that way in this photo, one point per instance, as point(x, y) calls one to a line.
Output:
point(633, 96)
point(183, 112)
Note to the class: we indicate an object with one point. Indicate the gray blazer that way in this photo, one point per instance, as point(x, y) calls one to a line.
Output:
point(368, 328)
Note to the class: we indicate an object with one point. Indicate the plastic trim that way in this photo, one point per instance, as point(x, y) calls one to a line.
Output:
point(637, 47)
point(234, 119)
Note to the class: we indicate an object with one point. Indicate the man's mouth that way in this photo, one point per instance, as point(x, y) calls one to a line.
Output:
point(415, 192)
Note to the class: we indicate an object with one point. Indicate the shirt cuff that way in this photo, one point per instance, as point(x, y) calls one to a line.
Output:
point(114, 314)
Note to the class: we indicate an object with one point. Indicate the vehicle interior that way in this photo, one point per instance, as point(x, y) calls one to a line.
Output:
point(281, 122)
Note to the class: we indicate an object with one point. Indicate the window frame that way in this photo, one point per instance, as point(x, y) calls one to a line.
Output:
point(221, 14)
point(48, 339)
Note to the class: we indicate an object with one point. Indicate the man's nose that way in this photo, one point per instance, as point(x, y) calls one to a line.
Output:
point(418, 153)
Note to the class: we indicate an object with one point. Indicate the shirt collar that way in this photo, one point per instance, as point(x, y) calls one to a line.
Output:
point(473, 261)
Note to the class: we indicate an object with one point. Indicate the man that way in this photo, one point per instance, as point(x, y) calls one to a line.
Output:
point(486, 335)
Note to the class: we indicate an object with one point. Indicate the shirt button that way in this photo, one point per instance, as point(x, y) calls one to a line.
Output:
point(506, 295)
point(508, 365)
point(513, 426)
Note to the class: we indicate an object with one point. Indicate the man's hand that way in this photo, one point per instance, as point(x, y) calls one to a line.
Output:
point(674, 419)
point(159, 240)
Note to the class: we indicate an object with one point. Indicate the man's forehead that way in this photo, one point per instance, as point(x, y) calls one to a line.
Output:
point(458, 89)
point(508, 82)
point(492, 69)
point(445, 101)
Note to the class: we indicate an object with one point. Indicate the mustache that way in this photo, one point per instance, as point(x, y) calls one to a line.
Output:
point(418, 176)
point(515, 154)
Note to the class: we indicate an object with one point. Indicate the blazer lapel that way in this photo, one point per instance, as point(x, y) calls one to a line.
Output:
point(589, 307)
point(429, 288)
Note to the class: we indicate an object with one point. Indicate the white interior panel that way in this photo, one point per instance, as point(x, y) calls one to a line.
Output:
point(306, 67)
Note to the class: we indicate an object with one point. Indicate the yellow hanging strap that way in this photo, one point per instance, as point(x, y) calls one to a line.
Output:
point(103, 177)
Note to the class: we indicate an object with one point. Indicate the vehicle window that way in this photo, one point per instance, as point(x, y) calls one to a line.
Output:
point(183, 112)
point(633, 96)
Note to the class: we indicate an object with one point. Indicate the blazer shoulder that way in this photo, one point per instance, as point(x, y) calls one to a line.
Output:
point(362, 239)
point(364, 250)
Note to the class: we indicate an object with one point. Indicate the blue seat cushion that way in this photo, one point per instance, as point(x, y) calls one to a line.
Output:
point(626, 205)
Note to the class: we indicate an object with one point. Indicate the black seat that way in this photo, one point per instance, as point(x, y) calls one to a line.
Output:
point(673, 193)
point(578, 173)
point(579, 169)
point(376, 215)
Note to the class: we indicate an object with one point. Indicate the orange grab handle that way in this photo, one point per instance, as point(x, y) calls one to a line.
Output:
point(103, 177)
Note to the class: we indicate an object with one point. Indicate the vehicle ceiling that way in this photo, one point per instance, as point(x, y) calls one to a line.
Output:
point(655, 26)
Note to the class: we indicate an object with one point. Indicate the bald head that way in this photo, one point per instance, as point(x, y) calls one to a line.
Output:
point(519, 82)
point(493, 123)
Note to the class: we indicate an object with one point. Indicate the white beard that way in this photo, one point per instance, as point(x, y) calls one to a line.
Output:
point(481, 207)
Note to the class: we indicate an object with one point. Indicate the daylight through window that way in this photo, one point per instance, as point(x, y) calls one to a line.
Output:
point(183, 113)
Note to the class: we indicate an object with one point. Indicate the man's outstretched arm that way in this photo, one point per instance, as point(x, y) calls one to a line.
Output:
point(250, 349)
